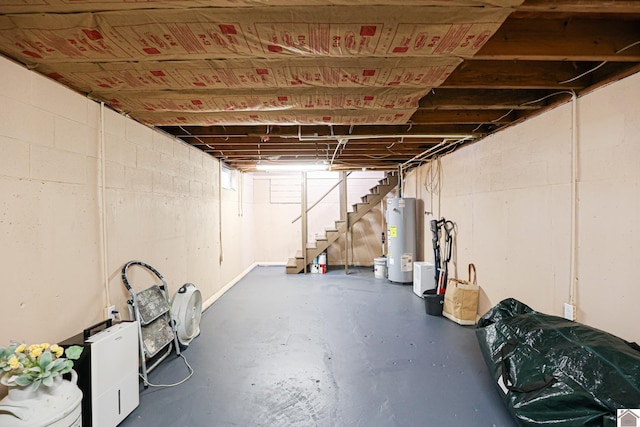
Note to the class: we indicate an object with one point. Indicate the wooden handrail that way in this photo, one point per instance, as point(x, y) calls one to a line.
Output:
point(320, 199)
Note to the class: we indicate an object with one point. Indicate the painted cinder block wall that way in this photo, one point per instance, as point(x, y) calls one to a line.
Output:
point(162, 204)
point(510, 196)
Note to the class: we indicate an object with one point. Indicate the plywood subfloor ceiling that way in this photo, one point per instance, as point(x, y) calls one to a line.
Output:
point(351, 83)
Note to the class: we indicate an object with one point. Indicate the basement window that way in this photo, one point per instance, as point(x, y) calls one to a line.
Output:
point(228, 178)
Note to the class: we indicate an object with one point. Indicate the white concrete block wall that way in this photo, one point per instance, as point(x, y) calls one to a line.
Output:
point(15, 158)
point(609, 189)
point(72, 136)
point(48, 217)
point(248, 223)
point(55, 165)
point(118, 150)
point(277, 238)
point(162, 207)
point(503, 195)
point(23, 122)
point(510, 196)
point(171, 188)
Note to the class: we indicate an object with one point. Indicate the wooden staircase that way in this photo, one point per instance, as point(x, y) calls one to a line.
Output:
point(296, 265)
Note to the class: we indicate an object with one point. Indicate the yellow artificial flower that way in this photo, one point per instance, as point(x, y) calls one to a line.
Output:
point(14, 363)
point(57, 350)
point(22, 363)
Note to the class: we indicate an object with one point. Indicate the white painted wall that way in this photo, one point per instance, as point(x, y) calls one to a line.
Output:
point(238, 240)
point(510, 196)
point(278, 239)
point(162, 206)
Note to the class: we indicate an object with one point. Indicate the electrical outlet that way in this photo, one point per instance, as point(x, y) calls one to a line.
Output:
point(110, 312)
point(569, 311)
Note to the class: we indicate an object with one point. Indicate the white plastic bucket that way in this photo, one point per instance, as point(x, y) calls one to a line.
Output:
point(322, 258)
point(322, 262)
point(380, 268)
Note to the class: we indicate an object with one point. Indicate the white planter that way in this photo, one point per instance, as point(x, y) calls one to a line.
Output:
point(55, 406)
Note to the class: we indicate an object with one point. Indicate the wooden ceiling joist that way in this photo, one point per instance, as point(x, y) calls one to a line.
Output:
point(325, 132)
point(582, 6)
point(516, 74)
point(571, 39)
point(443, 98)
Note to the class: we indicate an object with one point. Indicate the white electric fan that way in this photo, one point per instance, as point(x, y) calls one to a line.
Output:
point(186, 310)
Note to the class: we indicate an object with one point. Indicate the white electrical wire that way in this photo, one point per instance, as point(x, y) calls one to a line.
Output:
point(147, 383)
point(432, 180)
point(599, 65)
point(371, 156)
point(548, 96)
point(573, 79)
point(494, 120)
point(341, 141)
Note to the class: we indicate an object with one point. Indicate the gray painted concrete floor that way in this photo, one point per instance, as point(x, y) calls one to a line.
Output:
point(324, 350)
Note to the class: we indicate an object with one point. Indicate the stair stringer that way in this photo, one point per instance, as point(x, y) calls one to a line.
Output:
point(296, 265)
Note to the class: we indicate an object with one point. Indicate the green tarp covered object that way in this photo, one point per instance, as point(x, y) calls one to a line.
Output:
point(554, 372)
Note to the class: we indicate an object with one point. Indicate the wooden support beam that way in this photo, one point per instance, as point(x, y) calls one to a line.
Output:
point(303, 209)
point(524, 75)
point(302, 155)
point(482, 99)
point(461, 116)
point(309, 132)
point(310, 145)
point(572, 39)
point(582, 6)
point(344, 216)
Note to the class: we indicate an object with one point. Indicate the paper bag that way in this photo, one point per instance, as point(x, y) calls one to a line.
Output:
point(461, 299)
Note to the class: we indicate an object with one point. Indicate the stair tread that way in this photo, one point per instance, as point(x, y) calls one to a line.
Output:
point(294, 265)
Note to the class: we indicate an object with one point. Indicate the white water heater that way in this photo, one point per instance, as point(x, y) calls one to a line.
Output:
point(401, 232)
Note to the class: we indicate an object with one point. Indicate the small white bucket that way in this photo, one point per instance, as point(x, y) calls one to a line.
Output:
point(322, 262)
point(380, 268)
